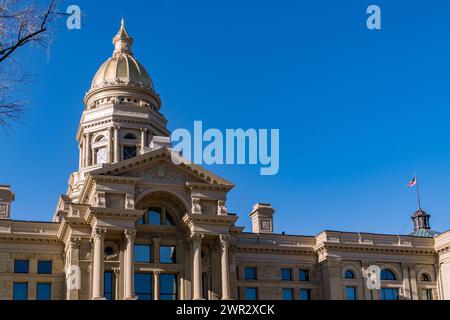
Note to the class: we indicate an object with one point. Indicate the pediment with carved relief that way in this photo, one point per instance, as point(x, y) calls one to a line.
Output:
point(162, 172)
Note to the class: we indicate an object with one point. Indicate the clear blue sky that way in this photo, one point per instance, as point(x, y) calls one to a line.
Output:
point(359, 111)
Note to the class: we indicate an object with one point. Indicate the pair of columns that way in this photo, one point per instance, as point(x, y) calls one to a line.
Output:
point(86, 156)
point(98, 264)
point(197, 266)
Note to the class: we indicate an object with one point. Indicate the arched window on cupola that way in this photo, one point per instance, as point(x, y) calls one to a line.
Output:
point(129, 147)
point(100, 148)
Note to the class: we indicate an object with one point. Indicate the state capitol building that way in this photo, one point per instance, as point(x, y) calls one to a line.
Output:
point(133, 225)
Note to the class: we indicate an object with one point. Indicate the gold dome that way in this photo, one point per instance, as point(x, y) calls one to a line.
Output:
point(122, 68)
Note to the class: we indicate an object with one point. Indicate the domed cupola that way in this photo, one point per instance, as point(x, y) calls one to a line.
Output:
point(122, 71)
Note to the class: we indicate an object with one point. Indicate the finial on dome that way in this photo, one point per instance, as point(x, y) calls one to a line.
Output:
point(122, 41)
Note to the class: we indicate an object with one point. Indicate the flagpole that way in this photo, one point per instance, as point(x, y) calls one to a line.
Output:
point(418, 194)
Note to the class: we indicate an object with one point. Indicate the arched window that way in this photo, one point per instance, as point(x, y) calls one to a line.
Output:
point(349, 274)
point(100, 138)
point(157, 216)
point(387, 274)
point(425, 278)
point(129, 136)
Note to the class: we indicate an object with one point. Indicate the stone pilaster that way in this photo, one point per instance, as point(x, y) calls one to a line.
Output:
point(130, 235)
point(98, 267)
point(197, 266)
point(225, 267)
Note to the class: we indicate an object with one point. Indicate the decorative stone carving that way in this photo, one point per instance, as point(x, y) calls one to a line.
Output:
point(100, 199)
point(221, 208)
point(99, 233)
point(224, 242)
point(130, 234)
point(195, 236)
point(196, 208)
point(75, 242)
point(129, 201)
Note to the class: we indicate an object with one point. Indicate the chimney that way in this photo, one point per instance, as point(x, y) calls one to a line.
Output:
point(262, 218)
point(6, 197)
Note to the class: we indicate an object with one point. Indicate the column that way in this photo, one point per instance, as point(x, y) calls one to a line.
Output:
point(157, 284)
point(181, 275)
point(197, 266)
point(80, 155)
point(85, 145)
point(110, 145)
point(89, 150)
point(97, 274)
point(116, 145)
point(130, 235)
point(225, 267)
point(116, 283)
point(143, 138)
point(73, 276)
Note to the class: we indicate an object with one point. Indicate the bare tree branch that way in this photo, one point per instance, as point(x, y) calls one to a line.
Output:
point(22, 22)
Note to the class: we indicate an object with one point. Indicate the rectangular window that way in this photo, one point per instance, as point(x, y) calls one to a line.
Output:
point(251, 294)
point(44, 267)
point(250, 273)
point(20, 291)
point(21, 266)
point(389, 294)
point(168, 287)
point(167, 254)
point(350, 293)
point(288, 294)
point(143, 284)
point(109, 285)
point(142, 253)
point(303, 275)
point(427, 294)
point(129, 152)
point(305, 294)
point(286, 274)
point(44, 291)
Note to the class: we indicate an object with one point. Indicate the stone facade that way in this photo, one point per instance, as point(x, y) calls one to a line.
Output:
point(128, 196)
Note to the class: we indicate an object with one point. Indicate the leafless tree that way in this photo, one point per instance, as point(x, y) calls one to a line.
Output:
point(22, 22)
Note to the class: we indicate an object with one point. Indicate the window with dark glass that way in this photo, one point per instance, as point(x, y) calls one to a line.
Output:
point(349, 274)
point(288, 294)
point(303, 275)
point(44, 291)
point(251, 294)
point(387, 274)
point(250, 273)
point(129, 152)
point(157, 216)
point(109, 285)
point(44, 267)
point(20, 291)
point(21, 266)
point(425, 278)
point(350, 293)
point(143, 284)
point(427, 294)
point(305, 294)
point(167, 254)
point(286, 274)
point(142, 253)
point(168, 287)
point(389, 294)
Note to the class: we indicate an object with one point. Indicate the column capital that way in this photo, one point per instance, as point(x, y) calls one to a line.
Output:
point(195, 236)
point(224, 241)
point(130, 234)
point(99, 233)
point(75, 242)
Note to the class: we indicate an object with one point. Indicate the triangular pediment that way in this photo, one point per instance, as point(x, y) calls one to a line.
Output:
point(157, 167)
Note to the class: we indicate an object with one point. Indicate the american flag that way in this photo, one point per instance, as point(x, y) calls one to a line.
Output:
point(413, 182)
